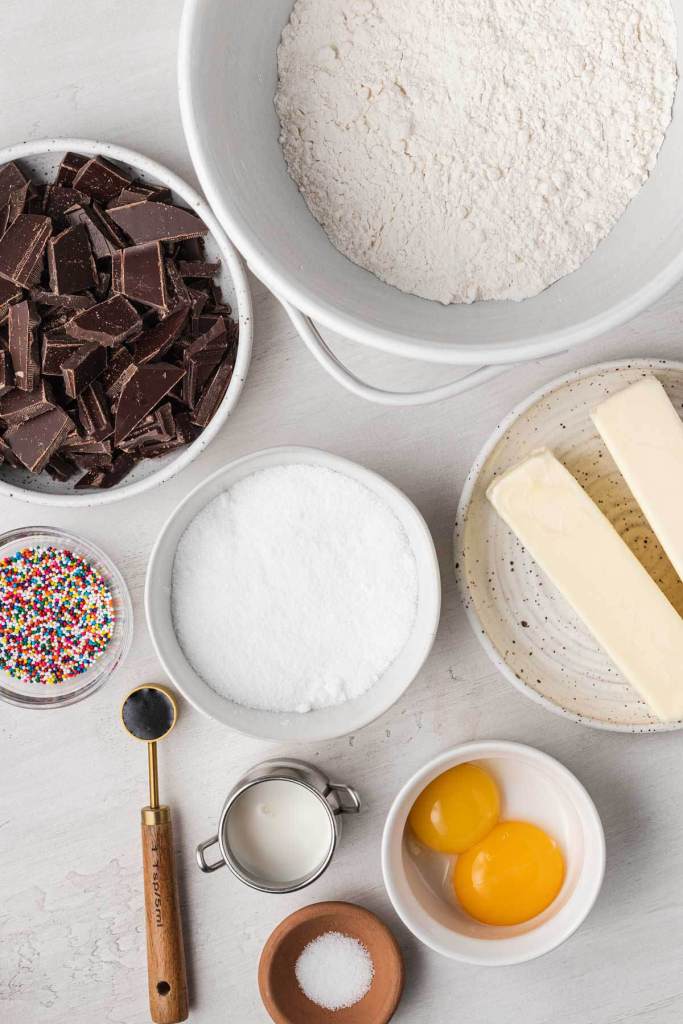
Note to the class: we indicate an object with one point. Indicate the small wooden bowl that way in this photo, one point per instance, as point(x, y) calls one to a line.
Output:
point(282, 997)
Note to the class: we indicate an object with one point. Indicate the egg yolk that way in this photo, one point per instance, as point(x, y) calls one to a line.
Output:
point(510, 876)
point(456, 810)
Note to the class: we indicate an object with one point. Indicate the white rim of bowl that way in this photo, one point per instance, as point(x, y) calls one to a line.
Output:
point(458, 552)
point(397, 818)
point(284, 282)
point(351, 469)
point(93, 147)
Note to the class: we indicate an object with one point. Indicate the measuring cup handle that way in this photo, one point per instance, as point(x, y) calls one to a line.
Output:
point(203, 863)
point(352, 803)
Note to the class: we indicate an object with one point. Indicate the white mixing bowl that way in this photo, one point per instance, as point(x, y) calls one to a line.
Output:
point(227, 81)
point(322, 723)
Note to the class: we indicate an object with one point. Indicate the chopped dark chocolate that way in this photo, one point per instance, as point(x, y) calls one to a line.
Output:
point(77, 445)
point(104, 238)
point(93, 478)
point(23, 344)
point(181, 292)
point(19, 406)
point(6, 373)
point(93, 412)
point(13, 191)
point(9, 293)
point(156, 222)
point(57, 348)
point(121, 467)
point(83, 367)
point(213, 393)
point(139, 273)
point(69, 168)
point(60, 468)
point(63, 303)
point(155, 342)
point(121, 368)
point(100, 179)
point(142, 393)
point(109, 322)
point(60, 200)
point(195, 268)
point(22, 247)
point(35, 441)
point(70, 261)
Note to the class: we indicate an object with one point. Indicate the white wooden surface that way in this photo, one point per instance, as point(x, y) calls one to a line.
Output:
point(71, 783)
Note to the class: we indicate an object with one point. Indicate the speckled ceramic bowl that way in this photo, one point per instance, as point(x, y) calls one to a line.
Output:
point(524, 624)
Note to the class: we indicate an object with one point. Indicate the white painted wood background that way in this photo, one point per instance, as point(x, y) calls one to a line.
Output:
point(71, 783)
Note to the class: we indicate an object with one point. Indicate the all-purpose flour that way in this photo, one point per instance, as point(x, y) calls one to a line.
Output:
point(473, 149)
point(294, 589)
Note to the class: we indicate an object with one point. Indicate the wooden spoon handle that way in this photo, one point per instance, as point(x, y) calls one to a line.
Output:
point(168, 1001)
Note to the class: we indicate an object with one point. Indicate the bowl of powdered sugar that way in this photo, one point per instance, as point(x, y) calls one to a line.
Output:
point(293, 595)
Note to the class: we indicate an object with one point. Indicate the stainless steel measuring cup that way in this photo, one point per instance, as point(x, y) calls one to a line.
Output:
point(336, 798)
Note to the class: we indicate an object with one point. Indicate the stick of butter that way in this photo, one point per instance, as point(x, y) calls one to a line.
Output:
point(595, 570)
point(644, 435)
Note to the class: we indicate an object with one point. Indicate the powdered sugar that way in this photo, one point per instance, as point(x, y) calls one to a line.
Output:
point(464, 150)
point(295, 589)
point(334, 970)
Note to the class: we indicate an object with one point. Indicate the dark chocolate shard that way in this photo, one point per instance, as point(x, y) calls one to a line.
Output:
point(64, 303)
point(156, 222)
point(93, 412)
point(109, 322)
point(120, 468)
point(35, 441)
point(20, 406)
point(57, 348)
point(83, 367)
point(100, 179)
point(155, 342)
point(70, 261)
point(77, 445)
point(6, 373)
point(60, 468)
point(211, 332)
point(86, 460)
point(23, 344)
point(60, 200)
point(14, 188)
point(185, 430)
point(69, 168)
point(181, 292)
point(121, 368)
point(93, 478)
point(195, 268)
point(7, 455)
point(198, 369)
point(9, 293)
point(104, 238)
point(142, 393)
point(213, 393)
point(22, 247)
point(139, 273)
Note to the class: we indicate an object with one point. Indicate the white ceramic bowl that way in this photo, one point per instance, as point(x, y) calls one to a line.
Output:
point(41, 159)
point(323, 723)
point(534, 787)
point(519, 617)
point(227, 74)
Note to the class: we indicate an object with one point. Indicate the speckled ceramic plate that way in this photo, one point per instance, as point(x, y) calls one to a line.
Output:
point(525, 625)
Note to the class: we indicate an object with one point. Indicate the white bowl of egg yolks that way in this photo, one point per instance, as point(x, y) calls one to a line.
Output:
point(532, 788)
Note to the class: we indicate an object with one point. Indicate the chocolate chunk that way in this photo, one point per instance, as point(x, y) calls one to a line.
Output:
point(104, 238)
point(156, 222)
point(142, 393)
point(69, 168)
point(14, 189)
point(198, 369)
point(60, 200)
point(20, 406)
point(77, 445)
point(23, 344)
point(64, 303)
point(109, 322)
point(9, 293)
point(121, 467)
point(213, 393)
point(139, 274)
point(83, 367)
point(93, 412)
point(156, 427)
point(138, 191)
point(60, 468)
point(121, 368)
point(85, 460)
point(70, 261)
point(6, 373)
point(180, 290)
point(35, 441)
point(211, 332)
point(185, 430)
point(57, 348)
point(195, 268)
point(7, 455)
point(93, 478)
point(100, 179)
point(22, 247)
point(155, 342)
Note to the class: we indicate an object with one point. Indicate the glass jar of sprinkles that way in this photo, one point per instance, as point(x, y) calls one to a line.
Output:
point(65, 617)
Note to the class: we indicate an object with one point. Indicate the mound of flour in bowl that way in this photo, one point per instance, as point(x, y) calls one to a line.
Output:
point(463, 150)
point(295, 589)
